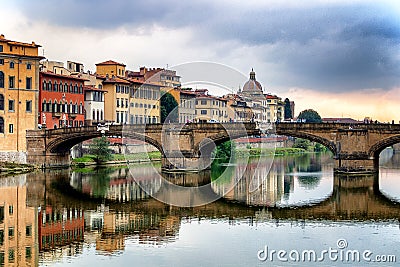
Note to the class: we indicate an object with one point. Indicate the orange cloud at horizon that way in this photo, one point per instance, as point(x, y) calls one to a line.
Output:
point(377, 104)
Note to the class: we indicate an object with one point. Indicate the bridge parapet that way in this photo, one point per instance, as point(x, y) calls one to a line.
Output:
point(356, 147)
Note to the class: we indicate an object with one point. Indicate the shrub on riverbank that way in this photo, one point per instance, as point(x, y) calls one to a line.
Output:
point(279, 151)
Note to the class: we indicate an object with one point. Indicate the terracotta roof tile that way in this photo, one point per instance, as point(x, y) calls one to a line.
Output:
point(110, 62)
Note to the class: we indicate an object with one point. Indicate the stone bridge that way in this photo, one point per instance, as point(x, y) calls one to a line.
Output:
point(356, 147)
point(182, 146)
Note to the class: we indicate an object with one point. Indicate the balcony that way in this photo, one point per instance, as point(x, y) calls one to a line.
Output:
point(56, 114)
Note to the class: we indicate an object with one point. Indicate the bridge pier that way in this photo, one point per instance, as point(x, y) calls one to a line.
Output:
point(354, 165)
point(38, 156)
point(175, 161)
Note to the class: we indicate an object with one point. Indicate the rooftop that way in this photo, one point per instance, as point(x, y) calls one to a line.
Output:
point(110, 62)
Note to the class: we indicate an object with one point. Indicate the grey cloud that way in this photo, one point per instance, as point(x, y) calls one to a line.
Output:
point(326, 47)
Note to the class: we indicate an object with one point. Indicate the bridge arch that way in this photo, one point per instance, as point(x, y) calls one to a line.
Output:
point(65, 142)
point(377, 148)
point(220, 138)
point(314, 138)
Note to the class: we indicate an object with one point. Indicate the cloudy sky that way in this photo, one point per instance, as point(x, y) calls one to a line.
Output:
point(339, 57)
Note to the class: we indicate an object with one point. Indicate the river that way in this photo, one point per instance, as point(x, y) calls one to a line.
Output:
point(289, 211)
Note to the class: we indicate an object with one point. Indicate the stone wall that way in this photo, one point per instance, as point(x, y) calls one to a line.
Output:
point(15, 157)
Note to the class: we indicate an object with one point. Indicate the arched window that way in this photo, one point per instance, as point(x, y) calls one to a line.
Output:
point(44, 107)
point(49, 106)
point(1, 102)
point(76, 107)
point(70, 88)
point(44, 86)
point(55, 106)
point(1, 125)
point(55, 87)
point(81, 89)
point(76, 89)
point(1, 79)
point(49, 86)
point(71, 107)
point(12, 64)
point(94, 115)
point(80, 108)
point(65, 88)
point(28, 66)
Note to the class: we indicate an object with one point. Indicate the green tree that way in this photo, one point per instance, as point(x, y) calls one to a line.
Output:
point(301, 143)
point(287, 109)
point(100, 149)
point(310, 115)
point(224, 150)
point(168, 108)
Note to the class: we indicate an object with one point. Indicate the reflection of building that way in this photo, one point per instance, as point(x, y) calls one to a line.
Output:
point(253, 183)
point(59, 227)
point(18, 224)
point(147, 227)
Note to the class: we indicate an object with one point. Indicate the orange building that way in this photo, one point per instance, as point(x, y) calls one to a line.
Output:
point(61, 99)
point(19, 87)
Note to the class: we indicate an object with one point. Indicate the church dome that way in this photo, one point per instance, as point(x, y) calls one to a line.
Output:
point(252, 85)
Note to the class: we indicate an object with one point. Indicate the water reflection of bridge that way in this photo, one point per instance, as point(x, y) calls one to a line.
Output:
point(49, 209)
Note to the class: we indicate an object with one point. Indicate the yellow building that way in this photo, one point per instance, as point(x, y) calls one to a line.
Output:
point(116, 99)
point(144, 103)
point(19, 92)
point(210, 108)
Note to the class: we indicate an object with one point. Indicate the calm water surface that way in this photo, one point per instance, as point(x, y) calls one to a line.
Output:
point(291, 204)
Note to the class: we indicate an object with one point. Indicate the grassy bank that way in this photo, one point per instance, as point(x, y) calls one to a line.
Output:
point(121, 157)
point(15, 168)
point(279, 151)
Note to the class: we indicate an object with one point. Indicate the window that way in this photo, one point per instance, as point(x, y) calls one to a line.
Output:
point(203, 112)
point(44, 107)
point(11, 255)
point(28, 82)
point(55, 87)
point(11, 128)
point(1, 79)
point(29, 106)
point(1, 61)
point(1, 48)
point(28, 66)
point(28, 230)
point(1, 102)
point(10, 210)
point(11, 105)
point(28, 252)
point(204, 102)
point(12, 64)
point(10, 232)
point(1, 125)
